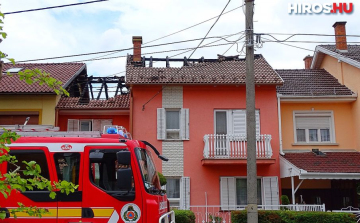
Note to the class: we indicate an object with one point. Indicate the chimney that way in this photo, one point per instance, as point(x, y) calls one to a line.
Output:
point(340, 37)
point(137, 41)
point(308, 60)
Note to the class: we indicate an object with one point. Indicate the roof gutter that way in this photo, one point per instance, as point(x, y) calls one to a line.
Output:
point(279, 118)
point(325, 98)
point(332, 176)
point(335, 55)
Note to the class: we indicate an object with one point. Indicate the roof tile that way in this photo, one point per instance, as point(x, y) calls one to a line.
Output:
point(353, 51)
point(224, 72)
point(117, 102)
point(331, 162)
point(60, 71)
point(310, 82)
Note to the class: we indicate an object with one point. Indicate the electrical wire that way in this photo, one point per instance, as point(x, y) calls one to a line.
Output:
point(59, 6)
point(291, 45)
point(210, 28)
point(120, 50)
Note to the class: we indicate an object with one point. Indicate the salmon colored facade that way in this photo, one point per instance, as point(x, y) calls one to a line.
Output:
point(202, 101)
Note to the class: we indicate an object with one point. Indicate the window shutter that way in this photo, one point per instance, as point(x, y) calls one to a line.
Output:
point(312, 122)
point(227, 193)
point(184, 123)
point(257, 118)
point(271, 192)
point(185, 193)
point(161, 128)
point(73, 125)
point(239, 122)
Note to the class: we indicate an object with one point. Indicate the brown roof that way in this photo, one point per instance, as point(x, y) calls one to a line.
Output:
point(353, 51)
point(118, 102)
point(331, 162)
point(64, 72)
point(310, 82)
point(224, 72)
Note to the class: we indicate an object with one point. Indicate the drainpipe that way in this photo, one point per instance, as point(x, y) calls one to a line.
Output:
point(279, 118)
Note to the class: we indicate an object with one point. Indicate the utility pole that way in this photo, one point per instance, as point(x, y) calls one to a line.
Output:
point(252, 212)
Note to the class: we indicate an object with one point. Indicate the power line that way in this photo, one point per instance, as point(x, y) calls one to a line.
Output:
point(192, 49)
point(292, 46)
point(305, 34)
point(193, 25)
point(305, 41)
point(165, 51)
point(210, 28)
point(179, 30)
point(120, 50)
point(59, 6)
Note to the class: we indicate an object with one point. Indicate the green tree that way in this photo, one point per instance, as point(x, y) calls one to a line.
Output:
point(31, 176)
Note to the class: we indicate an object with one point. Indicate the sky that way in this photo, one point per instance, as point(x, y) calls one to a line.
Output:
point(110, 25)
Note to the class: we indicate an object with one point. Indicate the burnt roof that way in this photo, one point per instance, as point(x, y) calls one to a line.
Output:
point(216, 71)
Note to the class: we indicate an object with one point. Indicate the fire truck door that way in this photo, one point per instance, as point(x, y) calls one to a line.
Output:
point(36, 197)
point(101, 193)
point(68, 168)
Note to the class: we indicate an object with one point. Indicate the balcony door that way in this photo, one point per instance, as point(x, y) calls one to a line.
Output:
point(222, 131)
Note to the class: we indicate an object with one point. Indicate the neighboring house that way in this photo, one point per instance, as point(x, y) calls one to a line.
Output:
point(320, 160)
point(195, 115)
point(19, 100)
point(93, 115)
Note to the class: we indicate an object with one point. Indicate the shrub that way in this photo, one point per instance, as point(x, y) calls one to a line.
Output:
point(184, 216)
point(284, 201)
point(295, 217)
point(162, 179)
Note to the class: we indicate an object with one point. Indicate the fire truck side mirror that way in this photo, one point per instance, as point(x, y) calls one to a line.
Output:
point(124, 179)
point(96, 157)
point(123, 157)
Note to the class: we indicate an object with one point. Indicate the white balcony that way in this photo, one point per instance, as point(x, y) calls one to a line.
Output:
point(235, 147)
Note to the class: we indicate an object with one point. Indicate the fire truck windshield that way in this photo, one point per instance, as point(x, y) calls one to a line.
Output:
point(148, 171)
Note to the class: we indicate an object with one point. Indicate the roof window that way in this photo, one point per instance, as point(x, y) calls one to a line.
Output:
point(14, 70)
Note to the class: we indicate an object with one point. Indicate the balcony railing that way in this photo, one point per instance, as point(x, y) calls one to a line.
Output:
point(235, 147)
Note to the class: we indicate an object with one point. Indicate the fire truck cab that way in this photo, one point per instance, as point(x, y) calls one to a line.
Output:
point(117, 178)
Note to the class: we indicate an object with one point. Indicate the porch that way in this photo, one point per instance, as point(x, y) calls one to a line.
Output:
point(226, 149)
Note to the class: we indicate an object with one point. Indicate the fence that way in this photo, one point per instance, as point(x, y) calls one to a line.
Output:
point(235, 146)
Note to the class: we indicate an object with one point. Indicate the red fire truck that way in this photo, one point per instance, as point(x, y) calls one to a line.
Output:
point(117, 178)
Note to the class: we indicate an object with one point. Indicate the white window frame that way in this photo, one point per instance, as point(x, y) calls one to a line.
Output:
point(322, 113)
point(183, 121)
point(173, 130)
point(275, 200)
point(175, 199)
point(229, 120)
point(86, 121)
point(92, 122)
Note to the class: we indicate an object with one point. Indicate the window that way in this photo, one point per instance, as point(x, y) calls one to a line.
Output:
point(233, 192)
point(233, 122)
point(87, 124)
point(313, 127)
point(173, 191)
point(178, 192)
point(14, 70)
point(103, 172)
point(241, 191)
point(68, 166)
point(172, 124)
point(30, 155)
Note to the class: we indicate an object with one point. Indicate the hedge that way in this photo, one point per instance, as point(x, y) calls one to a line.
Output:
point(295, 217)
point(184, 216)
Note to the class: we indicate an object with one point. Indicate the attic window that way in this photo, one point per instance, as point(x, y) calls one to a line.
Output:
point(14, 70)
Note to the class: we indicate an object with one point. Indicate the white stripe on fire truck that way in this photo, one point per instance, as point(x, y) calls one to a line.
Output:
point(56, 147)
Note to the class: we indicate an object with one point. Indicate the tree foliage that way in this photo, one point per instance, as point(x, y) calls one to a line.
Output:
point(30, 177)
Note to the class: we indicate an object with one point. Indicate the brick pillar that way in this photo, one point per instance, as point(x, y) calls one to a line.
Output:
point(340, 36)
point(137, 41)
point(308, 60)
